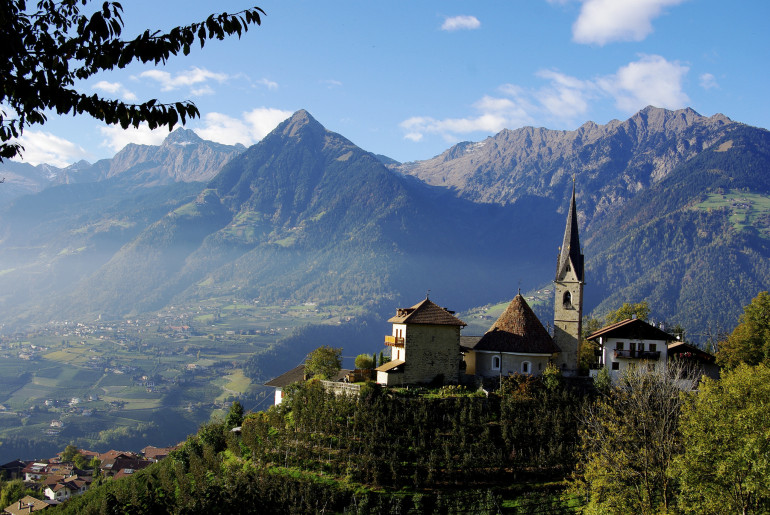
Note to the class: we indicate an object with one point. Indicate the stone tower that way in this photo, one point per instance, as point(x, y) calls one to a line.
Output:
point(568, 300)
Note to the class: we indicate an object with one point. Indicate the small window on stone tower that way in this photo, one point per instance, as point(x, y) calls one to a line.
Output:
point(567, 300)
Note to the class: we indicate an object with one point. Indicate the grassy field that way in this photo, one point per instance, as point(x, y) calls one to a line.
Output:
point(746, 209)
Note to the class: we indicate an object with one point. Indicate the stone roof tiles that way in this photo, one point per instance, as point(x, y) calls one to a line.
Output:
point(427, 313)
point(517, 330)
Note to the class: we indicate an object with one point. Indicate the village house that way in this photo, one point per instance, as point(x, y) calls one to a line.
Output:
point(633, 342)
point(629, 343)
point(425, 346)
point(60, 488)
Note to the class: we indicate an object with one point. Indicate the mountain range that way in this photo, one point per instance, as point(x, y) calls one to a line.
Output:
point(674, 209)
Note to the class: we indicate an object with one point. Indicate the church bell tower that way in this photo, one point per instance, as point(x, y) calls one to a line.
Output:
point(568, 301)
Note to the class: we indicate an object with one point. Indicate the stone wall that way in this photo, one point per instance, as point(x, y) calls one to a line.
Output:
point(431, 351)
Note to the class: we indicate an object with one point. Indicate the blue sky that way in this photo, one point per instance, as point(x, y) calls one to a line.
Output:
point(409, 79)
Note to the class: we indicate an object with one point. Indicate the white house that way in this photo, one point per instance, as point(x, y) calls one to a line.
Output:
point(631, 342)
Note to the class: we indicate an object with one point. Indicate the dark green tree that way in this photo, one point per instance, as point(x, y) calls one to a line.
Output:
point(46, 50)
point(234, 416)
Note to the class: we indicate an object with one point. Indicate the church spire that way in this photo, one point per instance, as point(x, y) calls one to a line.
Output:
point(569, 254)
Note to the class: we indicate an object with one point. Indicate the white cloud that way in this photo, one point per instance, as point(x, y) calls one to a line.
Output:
point(44, 147)
point(250, 128)
point(460, 23)
point(203, 90)
point(115, 88)
point(268, 84)
point(331, 83)
point(604, 21)
point(116, 137)
point(566, 97)
point(494, 115)
point(708, 81)
point(652, 80)
point(189, 78)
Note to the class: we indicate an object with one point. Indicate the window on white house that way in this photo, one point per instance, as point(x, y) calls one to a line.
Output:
point(615, 365)
point(495, 362)
point(525, 366)
point(619, 346)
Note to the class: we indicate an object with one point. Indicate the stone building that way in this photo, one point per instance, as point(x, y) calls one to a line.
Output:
point(568, 297)
point(425, 346)
point(516, 343)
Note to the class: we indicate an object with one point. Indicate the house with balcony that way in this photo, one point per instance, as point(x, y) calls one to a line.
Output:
point(425, 346)
point(631, 342)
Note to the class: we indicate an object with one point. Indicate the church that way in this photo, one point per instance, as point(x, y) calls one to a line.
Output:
point(426, 345)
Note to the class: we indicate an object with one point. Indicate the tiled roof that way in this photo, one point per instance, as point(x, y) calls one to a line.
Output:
point(427, 313)
point(297, 374)
point(517, 330)
point(632, 328)
point(294, 375)
point(26, 505)
point(113, 454)
point(390, 365)
point(675, 349)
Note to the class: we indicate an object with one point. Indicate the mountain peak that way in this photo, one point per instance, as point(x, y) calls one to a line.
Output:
point(182, 137)
point(297, 122)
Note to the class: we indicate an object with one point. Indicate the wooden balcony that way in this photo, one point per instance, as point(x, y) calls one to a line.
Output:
point(394, 341)
point(637, 354)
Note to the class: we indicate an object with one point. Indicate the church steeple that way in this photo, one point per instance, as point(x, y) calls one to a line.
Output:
point(569, 255)
point(568, 301)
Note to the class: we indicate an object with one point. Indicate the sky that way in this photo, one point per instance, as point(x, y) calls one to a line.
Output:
point(408, 79)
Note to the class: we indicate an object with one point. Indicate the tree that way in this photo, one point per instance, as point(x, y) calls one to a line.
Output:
point(750, 340)
point(364, 362)
point(324, 362)
point(726, 430)
point(45, 51)
point(69, 453)
point(640, 309)
point(629, 441)
point(234, 416)
point(14, 490)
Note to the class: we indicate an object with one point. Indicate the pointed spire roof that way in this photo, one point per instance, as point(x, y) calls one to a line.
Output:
point(517, 330)
point(426, 312)
point(570, 247)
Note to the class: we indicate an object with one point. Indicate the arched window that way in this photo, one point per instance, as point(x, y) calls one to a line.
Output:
point(525, 367)
point(567, 300)
point(495, 362)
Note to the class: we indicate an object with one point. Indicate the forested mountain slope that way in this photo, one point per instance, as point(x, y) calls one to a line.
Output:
point(674, 209)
